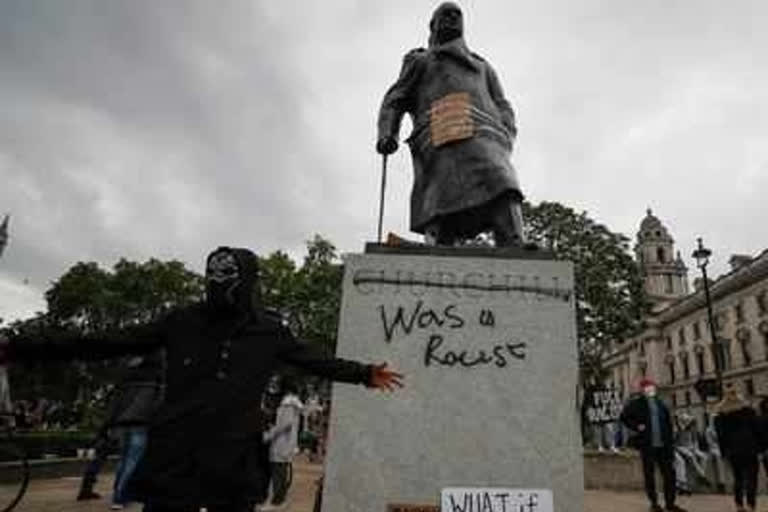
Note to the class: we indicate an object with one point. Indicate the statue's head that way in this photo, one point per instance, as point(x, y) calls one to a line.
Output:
point(447, 23)
point(232, 280)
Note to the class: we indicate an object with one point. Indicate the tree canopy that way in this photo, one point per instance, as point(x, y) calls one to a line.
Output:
point(92, 298)
point(610, 300)
point(310, 295)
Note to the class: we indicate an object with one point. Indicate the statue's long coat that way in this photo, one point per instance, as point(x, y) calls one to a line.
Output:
point(461, 175)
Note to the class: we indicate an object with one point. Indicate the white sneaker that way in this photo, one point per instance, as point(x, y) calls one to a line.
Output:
point(116, 506)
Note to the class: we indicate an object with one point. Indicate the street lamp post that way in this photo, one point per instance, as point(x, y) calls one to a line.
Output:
point(702, 254)
point(4, 233)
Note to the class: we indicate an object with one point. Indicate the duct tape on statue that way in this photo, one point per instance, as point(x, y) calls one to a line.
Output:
point(450, 119)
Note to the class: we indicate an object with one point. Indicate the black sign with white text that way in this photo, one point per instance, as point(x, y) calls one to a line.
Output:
point(602, 405)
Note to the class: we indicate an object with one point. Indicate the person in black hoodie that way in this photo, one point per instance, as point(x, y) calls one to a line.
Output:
point(738, 434)
point(651, 423)
point(203, 443)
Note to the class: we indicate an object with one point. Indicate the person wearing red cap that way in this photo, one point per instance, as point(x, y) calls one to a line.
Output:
point(651, 423)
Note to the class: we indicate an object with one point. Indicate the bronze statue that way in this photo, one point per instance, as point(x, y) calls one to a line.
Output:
point(462, 138)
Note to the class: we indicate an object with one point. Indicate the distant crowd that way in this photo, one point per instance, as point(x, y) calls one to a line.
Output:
point(45, 414)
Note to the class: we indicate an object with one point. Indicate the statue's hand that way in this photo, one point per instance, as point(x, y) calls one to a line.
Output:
point(386, 145)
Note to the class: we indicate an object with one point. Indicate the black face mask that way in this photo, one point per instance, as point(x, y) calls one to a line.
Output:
point(222, 278)
point(231, 278)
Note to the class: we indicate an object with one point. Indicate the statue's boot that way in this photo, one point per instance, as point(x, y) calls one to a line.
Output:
point(508, 225)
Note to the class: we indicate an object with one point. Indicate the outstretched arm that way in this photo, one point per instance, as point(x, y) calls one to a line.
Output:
point(61, 345)
point(313, 361)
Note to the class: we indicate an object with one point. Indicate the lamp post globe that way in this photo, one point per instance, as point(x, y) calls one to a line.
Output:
point(701, 254)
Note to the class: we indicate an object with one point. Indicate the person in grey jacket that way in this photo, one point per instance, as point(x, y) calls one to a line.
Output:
point(283, 444)
point(138, 398)
point(687, 455)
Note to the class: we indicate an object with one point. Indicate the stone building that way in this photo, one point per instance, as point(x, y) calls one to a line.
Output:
point(676, 348)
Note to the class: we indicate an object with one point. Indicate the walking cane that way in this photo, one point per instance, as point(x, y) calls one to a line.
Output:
point(381, 197)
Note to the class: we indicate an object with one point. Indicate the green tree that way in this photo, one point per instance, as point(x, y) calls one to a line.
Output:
point(279, 281)
point(90, 298)
point(79, 297)
point(319, 303)
point(310, 295)
point(610, 301)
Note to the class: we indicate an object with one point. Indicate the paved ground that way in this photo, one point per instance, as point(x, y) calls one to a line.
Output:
point(58, 495)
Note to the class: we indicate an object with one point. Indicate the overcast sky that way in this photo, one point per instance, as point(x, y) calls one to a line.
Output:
point(163, 129)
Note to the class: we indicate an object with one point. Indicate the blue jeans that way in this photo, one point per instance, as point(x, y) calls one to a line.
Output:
point(134, 443)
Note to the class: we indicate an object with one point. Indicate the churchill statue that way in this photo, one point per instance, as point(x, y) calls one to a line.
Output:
point(463, 134)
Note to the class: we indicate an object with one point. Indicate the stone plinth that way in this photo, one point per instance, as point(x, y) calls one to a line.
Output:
point(487, 342)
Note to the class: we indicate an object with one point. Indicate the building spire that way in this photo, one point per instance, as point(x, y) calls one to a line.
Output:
point(665, 274)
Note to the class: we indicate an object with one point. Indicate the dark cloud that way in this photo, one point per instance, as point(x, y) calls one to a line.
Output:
point(145, 128)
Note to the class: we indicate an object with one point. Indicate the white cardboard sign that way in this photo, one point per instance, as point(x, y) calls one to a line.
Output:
point(495, 499)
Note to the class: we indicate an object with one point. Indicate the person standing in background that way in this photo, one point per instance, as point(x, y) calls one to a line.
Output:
point(740, 443)
point(688, 455)
point(650, 420)
point(283, 438)
point(762, 420)
point(136, 401)
point(715, 456)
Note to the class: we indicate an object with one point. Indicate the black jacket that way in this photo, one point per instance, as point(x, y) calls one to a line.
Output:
point(637, 412)
point(738, 433)
point(139, 395)
point(204, 441)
